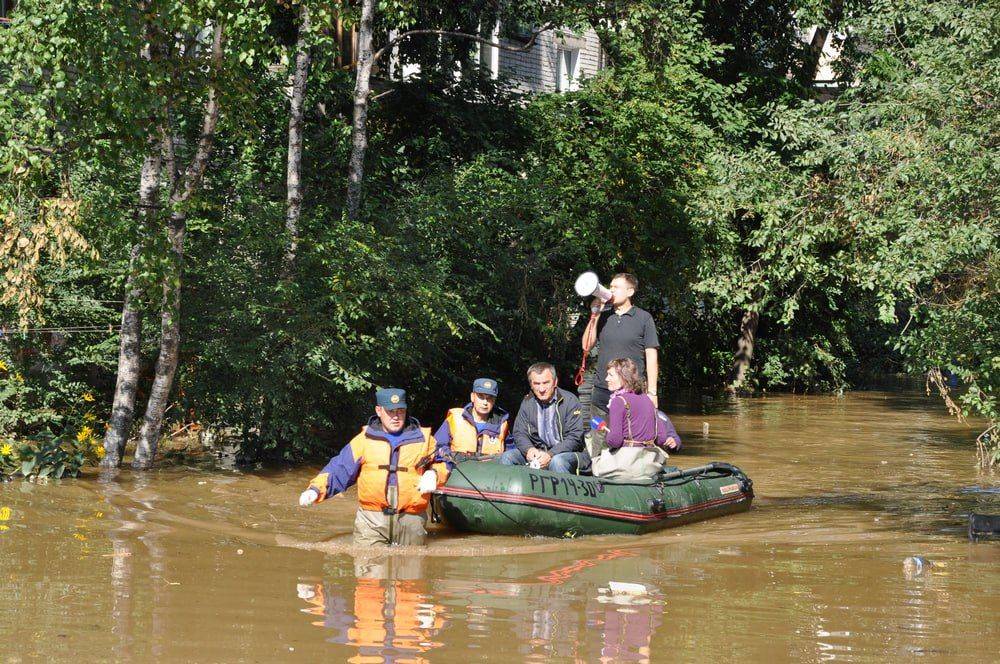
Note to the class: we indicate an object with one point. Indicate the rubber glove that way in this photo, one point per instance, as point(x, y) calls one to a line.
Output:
point(308, 497)
point(428, 481)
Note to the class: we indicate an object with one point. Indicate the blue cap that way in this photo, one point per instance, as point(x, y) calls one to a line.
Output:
point(391, 398)
point(485, 386)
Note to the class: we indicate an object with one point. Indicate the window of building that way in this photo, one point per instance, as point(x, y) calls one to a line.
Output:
point(516, 31)
point(568, 65)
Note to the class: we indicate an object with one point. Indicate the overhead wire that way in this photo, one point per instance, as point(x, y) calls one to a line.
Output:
point(67, 330)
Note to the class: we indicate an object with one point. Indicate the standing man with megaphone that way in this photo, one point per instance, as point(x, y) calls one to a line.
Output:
point(623, 330)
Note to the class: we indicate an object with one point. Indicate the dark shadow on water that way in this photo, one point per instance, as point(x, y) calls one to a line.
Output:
point(927, 508)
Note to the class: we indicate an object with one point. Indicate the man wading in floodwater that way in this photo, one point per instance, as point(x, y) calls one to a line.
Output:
point(394, 463)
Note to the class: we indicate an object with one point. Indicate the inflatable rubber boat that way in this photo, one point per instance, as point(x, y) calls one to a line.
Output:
point(487, 497)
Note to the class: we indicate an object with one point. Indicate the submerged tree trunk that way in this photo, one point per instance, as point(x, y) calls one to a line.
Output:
point(293, 176)
point(359, 128)
point(170, 343)
point(183, 189)
point(744, 350)
point(123, 408)
point(130, 342)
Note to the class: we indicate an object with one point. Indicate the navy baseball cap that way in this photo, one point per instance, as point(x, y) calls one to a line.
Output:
point(391, 398)
point(485, 386)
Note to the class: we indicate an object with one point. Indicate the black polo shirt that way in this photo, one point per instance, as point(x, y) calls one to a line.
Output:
point(627, 335)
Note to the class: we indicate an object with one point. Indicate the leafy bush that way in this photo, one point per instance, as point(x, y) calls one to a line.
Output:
point(47, 422)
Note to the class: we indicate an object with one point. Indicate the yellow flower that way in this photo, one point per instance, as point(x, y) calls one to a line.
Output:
point(89, 417)
point(5, 513)
point(6, 449)
point(3, 366)
point(99, 451)
point(18, 377)
point(88, 397)
point(84, 434)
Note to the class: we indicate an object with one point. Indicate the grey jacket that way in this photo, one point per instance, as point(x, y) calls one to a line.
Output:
point(569, 420)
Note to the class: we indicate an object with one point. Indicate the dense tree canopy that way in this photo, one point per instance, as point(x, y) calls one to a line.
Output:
point(856, 232)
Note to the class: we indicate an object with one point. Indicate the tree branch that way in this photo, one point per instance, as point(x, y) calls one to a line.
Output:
point(463, 35)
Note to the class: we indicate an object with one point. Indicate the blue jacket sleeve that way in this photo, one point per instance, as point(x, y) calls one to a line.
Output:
point(339, 474)
point(442, 451)
point(443, 435)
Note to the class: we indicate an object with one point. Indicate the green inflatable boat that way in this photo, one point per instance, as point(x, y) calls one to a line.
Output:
point(486, 497)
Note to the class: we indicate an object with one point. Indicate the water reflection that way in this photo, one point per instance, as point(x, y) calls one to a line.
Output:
point(181, 564)
point(400, 607)
point(390, 619)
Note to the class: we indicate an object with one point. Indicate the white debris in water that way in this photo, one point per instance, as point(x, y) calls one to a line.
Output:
point(625, 594)
point(239, 552)
point(914, 566)
point(621, 588)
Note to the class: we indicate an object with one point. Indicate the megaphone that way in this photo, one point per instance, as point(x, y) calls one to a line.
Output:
point(589, 285)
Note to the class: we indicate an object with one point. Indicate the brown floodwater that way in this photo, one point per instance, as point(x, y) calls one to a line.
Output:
point(194, 563)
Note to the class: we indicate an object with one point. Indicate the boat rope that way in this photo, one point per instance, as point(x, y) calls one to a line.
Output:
point(497, 507)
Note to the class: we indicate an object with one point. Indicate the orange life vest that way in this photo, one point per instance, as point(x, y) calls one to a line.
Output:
point(394, 614)
point(465, 438)
point(408, 461)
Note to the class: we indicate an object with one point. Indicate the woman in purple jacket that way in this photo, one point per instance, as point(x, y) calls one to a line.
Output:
point(638, 434)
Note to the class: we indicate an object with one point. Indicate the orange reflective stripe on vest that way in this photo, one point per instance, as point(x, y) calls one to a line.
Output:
point(465, 438)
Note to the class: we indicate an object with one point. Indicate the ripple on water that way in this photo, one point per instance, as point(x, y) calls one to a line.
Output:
point(199, 565)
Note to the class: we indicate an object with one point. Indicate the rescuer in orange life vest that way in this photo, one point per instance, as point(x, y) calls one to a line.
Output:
point(478, 429)
point(395, 464)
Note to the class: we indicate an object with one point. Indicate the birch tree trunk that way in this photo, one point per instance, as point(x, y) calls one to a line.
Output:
point(293, 175)
point(359, 128)
point(170, 323)
point(170, 341)
point(123, 408)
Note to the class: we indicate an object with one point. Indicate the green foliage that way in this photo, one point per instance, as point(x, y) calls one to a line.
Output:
point(47, 421)
point(879, 206)
point(51, 458)
point(861, 229)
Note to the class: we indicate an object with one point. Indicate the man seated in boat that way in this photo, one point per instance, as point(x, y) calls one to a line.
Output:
point(478, 429)
point(394, 462)
point(548, 430)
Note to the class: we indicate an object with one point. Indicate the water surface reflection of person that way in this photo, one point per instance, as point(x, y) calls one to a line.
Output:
point(391, 618)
